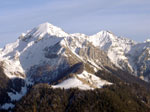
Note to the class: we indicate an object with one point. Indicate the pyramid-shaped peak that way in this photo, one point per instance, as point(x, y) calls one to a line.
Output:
point(50, 29)
point(106, 35)
point(104, 32)
point(47, 29)
point(46, 26)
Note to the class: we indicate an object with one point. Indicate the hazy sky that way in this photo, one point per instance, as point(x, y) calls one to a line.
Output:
point(127, 18)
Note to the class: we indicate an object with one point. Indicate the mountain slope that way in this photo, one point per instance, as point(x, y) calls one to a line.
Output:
point(124, 53)
point(121, 51)
point(49, 48)
point(46, 54)
point(116, 48)
point(115, 98)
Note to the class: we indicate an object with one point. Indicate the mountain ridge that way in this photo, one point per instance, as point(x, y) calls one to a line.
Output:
point(118, 49)
point(46, 54)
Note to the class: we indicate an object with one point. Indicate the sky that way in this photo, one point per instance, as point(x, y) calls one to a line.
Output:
point(126, 18)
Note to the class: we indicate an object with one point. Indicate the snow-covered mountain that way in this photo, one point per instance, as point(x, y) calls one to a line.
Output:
point(116, 48)
point(49, 46)
point(46, 54)
point(125, 53)
point(30, 50)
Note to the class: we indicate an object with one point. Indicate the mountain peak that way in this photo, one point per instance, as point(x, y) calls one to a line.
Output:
point(47, 24)
point(44, 30)
point(104, 32)
point(47, 28)
point(102, 37)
